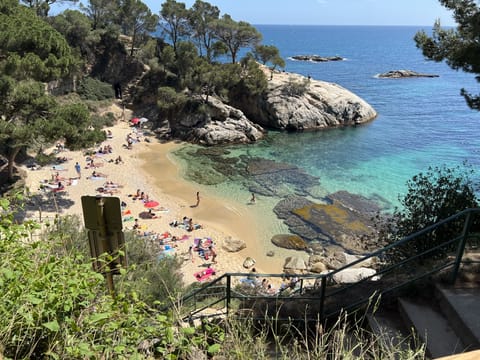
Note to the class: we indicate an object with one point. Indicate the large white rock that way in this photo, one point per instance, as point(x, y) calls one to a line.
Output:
point(318, 105)
point(353, 275)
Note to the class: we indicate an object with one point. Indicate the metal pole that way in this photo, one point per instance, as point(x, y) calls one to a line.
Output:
point(229, 295)
point(104, 243)
point(322, 297)
point(461, 246)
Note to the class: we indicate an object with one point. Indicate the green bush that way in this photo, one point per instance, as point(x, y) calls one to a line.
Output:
point(295, 87)
point(101, 121)
point(94, 89)
point(432, 196)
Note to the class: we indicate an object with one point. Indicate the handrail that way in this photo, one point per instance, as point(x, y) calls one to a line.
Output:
point(460, 240)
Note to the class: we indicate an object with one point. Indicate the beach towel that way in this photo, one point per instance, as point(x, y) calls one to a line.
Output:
point(58, 167)
point(164, 253)
point(204, 274)
point(128, 218)
point(96, 178)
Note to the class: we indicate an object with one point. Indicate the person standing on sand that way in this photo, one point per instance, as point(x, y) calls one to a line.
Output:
point(252, 200)
point(78, 169)
point(198, 198)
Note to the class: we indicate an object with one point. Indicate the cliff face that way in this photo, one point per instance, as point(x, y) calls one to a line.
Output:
point(219, 124)
point(294, 102)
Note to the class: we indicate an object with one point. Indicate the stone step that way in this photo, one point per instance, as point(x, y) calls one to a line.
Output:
point(389, 326)
point(461, 306)
point(431, 327)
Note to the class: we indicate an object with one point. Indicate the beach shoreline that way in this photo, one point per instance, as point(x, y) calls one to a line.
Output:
point(163, 183)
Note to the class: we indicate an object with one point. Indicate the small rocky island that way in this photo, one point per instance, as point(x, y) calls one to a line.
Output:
point(317, 58)
point(399, 74)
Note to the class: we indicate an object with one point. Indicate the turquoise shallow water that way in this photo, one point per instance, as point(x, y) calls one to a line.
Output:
point(422, 122)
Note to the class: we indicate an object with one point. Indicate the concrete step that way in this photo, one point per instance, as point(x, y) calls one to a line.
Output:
point(461, 306)
point(431, 327)
point(389, 326)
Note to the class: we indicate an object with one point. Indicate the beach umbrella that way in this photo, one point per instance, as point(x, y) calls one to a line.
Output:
point(151, 204)
point(143, 120)
point(135, 121)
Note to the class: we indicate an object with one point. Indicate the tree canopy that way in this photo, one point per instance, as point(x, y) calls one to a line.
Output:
point(235, 35)
point(459, 47)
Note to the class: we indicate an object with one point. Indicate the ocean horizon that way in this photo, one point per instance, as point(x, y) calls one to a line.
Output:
point(421, 123)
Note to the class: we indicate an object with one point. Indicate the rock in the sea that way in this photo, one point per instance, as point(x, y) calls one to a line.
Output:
point(233, 245)
point(248, 262)
point(329, 223)
point(288, 241)
point(317, 58)
point(294, 264)
point(398, 74)
point(296, 103)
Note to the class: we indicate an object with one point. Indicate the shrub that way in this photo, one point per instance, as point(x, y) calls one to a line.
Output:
point(432, 196)
point(296, 87)
point(94, 89)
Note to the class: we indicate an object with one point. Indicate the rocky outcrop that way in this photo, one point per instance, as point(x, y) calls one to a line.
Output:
point(331, 223)
point(294, 265)
point(398, 74)
point(317, 58)
point(221, 124)
point(295, 103)
point(288, 241)
point(233, 245)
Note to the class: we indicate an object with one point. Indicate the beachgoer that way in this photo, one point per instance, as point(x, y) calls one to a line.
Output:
point(271, 290)
point(252, 200)
point(190, 253)
point(213, 254)
point(136, 225)
point(198, 198)
point(78, 169)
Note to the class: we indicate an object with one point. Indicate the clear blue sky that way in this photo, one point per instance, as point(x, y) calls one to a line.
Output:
point(329, 12)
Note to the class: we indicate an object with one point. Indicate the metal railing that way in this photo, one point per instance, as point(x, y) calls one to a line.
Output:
point(320, 296)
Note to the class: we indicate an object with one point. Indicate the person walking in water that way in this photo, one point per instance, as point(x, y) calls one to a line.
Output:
point(252, 200)
point(78, 169)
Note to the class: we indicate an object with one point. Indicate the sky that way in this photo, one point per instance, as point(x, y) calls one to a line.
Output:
point(328, 12)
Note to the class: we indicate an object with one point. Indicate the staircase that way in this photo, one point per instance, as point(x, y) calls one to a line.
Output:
point(434, 292)
point(446, 320)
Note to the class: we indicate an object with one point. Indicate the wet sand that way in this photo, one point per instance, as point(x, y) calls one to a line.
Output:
point(231, 219)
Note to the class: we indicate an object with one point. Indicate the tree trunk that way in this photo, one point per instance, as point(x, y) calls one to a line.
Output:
point(11, 162)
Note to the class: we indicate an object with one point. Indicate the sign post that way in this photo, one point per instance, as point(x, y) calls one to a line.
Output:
point(103, 219)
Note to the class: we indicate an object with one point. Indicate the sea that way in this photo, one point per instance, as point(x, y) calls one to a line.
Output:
point(421, 123)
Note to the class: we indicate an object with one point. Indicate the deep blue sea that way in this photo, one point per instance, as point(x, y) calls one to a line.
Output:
point(421, 122)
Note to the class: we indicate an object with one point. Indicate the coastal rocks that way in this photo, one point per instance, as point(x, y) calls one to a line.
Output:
point(248, 262)
point(233, 245)
point(332, 223)
point(294, 265)
point(398, 74)
point(288, 241)
point(318, 267)
point(295, 103)
point(317, 58)
point(221, 124)
point(272, 178)
point(354, 275)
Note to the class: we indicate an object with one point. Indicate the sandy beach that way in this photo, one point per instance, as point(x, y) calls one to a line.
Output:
point(220, 219)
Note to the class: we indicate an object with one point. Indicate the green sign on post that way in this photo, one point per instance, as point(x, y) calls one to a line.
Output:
point(103, 219)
